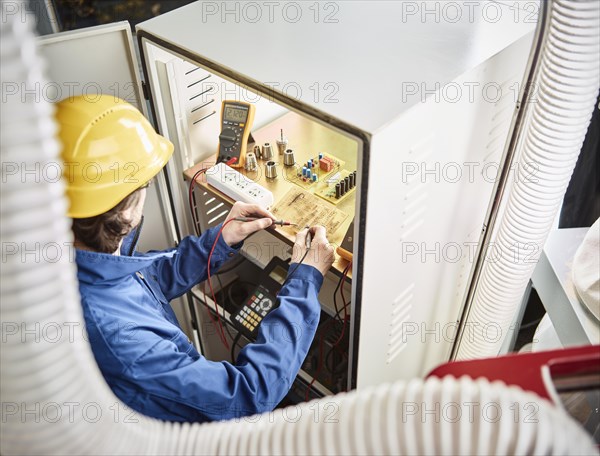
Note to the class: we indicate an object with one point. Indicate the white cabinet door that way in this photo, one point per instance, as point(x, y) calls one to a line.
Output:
point(90, 61)
point(97, 60)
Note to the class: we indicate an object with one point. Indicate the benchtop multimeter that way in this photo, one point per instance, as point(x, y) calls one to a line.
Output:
point(236, 120)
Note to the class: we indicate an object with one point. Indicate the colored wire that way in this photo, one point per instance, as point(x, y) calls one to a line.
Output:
point(191, 200)
point(337, 311)
point(191, 194)
point(234, 264)
point(301, 259)
point(222, 293)
point(341, 336)
point(345, 308)
point(331, 368)
point(214, 320)
point(297, 265)
point(341, 310)
point(212, 291)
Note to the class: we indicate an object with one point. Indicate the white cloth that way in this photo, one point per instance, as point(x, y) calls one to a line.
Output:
point(586, 270)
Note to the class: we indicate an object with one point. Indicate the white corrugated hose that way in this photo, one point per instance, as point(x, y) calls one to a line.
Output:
point(55, 401)
point(563, 99)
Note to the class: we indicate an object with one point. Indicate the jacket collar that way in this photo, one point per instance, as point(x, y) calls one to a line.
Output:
point(95, 267)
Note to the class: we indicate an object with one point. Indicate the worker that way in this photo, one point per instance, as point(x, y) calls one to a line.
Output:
point(111, 153)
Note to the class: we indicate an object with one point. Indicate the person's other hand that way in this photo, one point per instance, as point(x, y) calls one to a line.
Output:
point(321, 253)
point(236, 232)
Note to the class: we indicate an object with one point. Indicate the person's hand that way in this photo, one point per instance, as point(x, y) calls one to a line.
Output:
point(236, 232)
point(320, 255)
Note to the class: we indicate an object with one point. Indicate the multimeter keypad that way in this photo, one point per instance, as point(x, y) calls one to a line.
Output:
point(261, 301)
point(255, 309)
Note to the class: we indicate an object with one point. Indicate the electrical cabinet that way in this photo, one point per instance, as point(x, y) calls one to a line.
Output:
point(419, 107)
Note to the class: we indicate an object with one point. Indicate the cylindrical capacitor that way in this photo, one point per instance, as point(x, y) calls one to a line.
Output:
point(338, 190)
point(342, 187)
point(271, 170)
point(267, 152)
point(347, 182)
point(320, 156)
point(314, 177)
point(288, 158)
point(282, 145)
point(352, 183)
point(304, 171)
point(309, 164)
point(251, 164)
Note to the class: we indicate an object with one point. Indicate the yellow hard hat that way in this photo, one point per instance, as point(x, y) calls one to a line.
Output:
point(109, 150)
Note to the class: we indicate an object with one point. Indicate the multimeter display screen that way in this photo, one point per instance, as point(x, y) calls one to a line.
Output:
point(278, 274)
point(234, 114)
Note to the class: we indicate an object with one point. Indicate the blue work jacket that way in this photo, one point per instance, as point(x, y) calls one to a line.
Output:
point(150, 363)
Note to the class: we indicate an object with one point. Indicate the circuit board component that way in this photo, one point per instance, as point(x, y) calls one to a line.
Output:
point(324, 176)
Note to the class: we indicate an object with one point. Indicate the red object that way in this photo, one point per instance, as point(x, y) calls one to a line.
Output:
point(526, 370)
point(220, 329)
point(326, 164)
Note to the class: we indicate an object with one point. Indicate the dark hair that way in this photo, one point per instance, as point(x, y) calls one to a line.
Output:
point(104, 232)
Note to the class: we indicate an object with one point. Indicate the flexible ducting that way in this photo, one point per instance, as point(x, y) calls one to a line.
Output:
point(55, 401)
point(557, 114)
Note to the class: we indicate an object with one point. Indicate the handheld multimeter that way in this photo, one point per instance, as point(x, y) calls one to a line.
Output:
point(236, 120)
